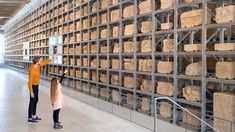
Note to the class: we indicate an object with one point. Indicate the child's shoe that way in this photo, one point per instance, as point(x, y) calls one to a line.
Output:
point(57, 125)
point(32, 120)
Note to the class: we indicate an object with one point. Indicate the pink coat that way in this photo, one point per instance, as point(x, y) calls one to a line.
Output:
point(59, 99)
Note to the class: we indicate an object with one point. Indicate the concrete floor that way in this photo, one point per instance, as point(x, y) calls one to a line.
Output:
point(76, 116)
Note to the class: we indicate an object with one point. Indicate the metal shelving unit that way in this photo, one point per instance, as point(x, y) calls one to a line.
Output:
point(24, 31)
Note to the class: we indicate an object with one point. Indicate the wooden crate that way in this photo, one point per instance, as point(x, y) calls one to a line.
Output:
point(104, 92)
point(146, 46)
point(114, 79)
point(115, 15)
point(130, 99)
point(224, 111)
point(115, 64)
point(165, 88)
point(103, 77)
point(85, 62)
point(168, 45)
point(129, 29)
point(115, 31)
point(166, 110)
point(115, 96)
point(146, 27)
point(165, 67)
point(191, 120)
point(145, 65)
point(167, 4)
point(103, 63)
point(145, 104)
point(128, 47)
point(146, 85)
point(192, 93)
point(93, 48)
point(128, 64)
point(225, 14)
point(225, 47)
point(194, 69)
point(192, 47)
point(225, 70)
point(94, 63)
point(85, 74)
point(104, 33)
point(167, 26)
point(129, 11)
point(193, 18)
point(145, 7)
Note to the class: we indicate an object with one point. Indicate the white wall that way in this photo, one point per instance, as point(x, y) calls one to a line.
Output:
point(1, 48)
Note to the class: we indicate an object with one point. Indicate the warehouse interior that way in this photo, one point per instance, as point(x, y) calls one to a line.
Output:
point(132, 65)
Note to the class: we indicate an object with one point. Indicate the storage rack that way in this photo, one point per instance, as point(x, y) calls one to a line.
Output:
point(207, 34)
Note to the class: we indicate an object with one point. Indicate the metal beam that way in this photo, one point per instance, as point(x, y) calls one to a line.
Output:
point(14, 2)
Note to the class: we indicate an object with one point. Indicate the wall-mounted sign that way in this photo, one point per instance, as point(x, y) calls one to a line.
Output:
point(55, 48)
point(26, 51)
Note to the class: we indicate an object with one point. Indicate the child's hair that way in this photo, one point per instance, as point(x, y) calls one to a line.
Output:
point(54, 84)
point(36, 59)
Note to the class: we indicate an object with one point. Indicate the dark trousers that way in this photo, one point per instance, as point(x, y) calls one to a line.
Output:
point(33, 102)
point(56, 115)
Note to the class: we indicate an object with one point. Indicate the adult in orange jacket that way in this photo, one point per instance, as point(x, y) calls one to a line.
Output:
point(33, 82)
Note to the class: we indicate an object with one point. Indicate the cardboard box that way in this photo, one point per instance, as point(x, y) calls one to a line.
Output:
point(115, 31)
point(66, 40)
point(71, 50)
point(128, 47)
point(193, 18)
point(104, 92)
point(128, 64)
point(78, 73)
point(146, 26)
point(77, 14)
point(104, 49)
point(165, 67)
point(225, 47)
point(114, 79)
point(165, 88)
point(72, 39)
point(115, 15)
point(225, 14)
point(168, 45)
point(128, 82)
point(93, 35)
point(167, 4)
point(114, 1)
point(224, 111)
point(72, 27)
point(94, 63)
point(85, 49)
point(116, 48)
point(93, 48)
point(85, 23)
point(146, 46)
point(104, 18)
point(129, 11)
point(103, 77)
point(78, 37)
point(66, 50)
point(145, 7)
point(85, 36)
point(71, 72)
point(79, 62)
point(94, 21)
point(225, 70)
point(194, 69)
point(103, 63)
point(192, 47)
point(192, 93)
point(191, 120)
point(115, 64)
point(78, 85)
point(85, 62)
point(94, 76)
point(190, 1)
point(78, 25)
point(85, 10)
point(166, 110)
point(94, 7)
point(104, 4)
point(93, 90)
point(78, 50)
point(85, 74)
point(115, 96)
point(145, 65)
point(104, 33)
point(167, 26)
point(72, 61)
point(130, 99)
point(145, 104)
point(129, 29)
point(85, 87)
point(146, 85)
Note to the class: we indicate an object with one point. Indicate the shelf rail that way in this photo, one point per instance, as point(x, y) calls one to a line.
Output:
point(167, 98)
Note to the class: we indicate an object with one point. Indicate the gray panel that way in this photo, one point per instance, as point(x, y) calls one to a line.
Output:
point(122, 112)
point(163, 126)
point(106, 106)
point(142, 120)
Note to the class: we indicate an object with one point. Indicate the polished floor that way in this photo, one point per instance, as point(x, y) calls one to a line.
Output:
point(75, 117)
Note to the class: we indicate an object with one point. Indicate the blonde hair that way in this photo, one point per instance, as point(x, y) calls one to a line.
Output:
point(54, 86)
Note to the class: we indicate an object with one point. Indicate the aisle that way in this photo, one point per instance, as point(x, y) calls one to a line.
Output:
point(76, 116)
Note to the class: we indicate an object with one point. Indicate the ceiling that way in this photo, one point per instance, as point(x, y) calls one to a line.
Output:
point(8, 8)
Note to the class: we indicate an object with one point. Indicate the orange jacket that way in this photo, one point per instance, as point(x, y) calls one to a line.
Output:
point(34, 74)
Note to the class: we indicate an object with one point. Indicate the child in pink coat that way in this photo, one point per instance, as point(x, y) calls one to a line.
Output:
point(57, 99)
